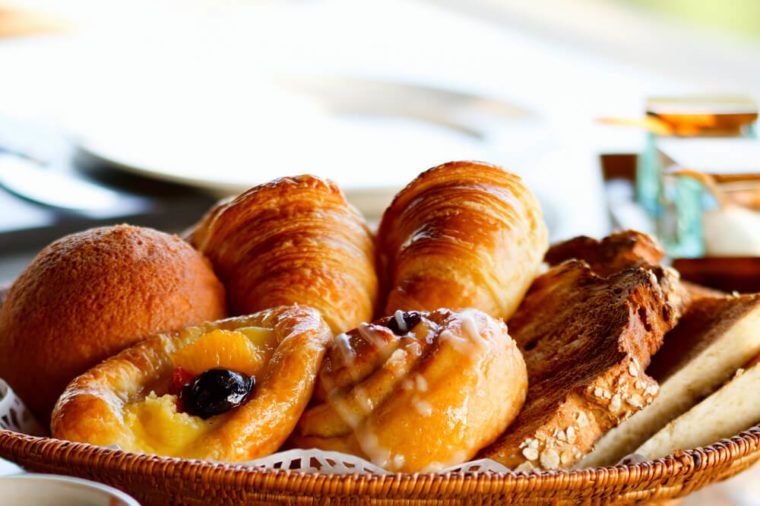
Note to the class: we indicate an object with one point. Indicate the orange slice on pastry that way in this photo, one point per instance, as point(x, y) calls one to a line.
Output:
point(416, 391)
point(243, 384)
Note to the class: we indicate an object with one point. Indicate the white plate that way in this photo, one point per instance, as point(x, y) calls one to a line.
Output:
point(50, 490)
point(369, 136)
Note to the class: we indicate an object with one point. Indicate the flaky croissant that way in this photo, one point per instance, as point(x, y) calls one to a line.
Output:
point(416, 391)
point(128, 400)
point(294, 240)
point(463, 234)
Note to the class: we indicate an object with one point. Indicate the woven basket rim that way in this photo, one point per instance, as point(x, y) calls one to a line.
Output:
point(681, 465)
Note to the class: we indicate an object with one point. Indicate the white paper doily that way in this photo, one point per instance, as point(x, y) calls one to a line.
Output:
point(15, 416)
point(324, 462)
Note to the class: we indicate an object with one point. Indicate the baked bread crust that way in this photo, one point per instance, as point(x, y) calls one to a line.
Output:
point(294, 240)
point(712, 340)
point(620, 250)
point(617, 251)
point(728, 411)
point(587, 340)
point(418, 402)
point(89, 295)
point(92, 408)
point(463, 234)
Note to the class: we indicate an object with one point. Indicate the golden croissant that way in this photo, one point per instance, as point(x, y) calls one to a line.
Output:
point(416, 391)
point(463, 234)
point(133, 400)
point(294, 240)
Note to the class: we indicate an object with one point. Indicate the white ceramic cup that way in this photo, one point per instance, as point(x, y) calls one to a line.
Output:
point(51, 490)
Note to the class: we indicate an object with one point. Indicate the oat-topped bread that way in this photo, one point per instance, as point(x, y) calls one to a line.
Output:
point(730, 410)
point(587, 340)
point(627, 248)
point(714, 338)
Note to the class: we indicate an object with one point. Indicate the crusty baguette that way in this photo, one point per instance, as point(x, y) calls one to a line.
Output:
point(586, 340)
point(731, 409)
point(715, 337)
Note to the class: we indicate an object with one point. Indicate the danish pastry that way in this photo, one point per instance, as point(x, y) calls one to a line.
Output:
point(416, 391)
point(91, 294)
point(294, 240)
point(231, 390)
point(463, 234)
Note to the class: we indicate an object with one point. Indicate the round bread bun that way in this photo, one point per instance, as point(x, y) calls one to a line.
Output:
point(88, 295)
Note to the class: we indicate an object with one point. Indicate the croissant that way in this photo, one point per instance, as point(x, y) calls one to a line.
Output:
point(281, 349)
point(463, 234)
point(416, 391)
point(294, 240)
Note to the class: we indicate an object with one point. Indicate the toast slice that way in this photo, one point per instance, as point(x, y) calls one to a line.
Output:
point(587, 340)
point(617, 251)
point(620, 250)
point(714, 338)
point(731, 409)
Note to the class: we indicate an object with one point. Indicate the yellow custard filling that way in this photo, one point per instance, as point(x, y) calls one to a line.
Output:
point(158, 428)
point(155, 424)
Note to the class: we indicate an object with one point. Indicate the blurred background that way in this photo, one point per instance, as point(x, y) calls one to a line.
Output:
point(167, 105)
point(148, 111)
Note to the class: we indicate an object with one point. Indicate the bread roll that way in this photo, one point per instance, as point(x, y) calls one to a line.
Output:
point(89, 295)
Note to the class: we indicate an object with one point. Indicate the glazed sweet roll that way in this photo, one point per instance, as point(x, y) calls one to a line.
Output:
point(294, 240)
point(463, 234)
point(416, 391)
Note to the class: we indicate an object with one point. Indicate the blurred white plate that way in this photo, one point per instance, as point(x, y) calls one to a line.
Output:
point(50, 490)
point(369, 136)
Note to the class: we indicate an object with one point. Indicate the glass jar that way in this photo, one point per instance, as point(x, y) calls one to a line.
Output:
point(710, 197)
point(686, 117)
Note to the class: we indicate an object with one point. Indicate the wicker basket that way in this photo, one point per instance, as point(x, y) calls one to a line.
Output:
point(157, 480)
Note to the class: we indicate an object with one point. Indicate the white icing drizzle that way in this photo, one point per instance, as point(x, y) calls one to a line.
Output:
point(399, 317)
point(457, 458)
point(344, 411)
point(431, 328)
point(364, 400)
point(422, 385)
point(460, 344)
point(433, 467)
point(415, 347)
point(371, 447)
point(470, 328)
point(398, 461)
point(423, 407)
point(367, 331)
point(344, 345)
